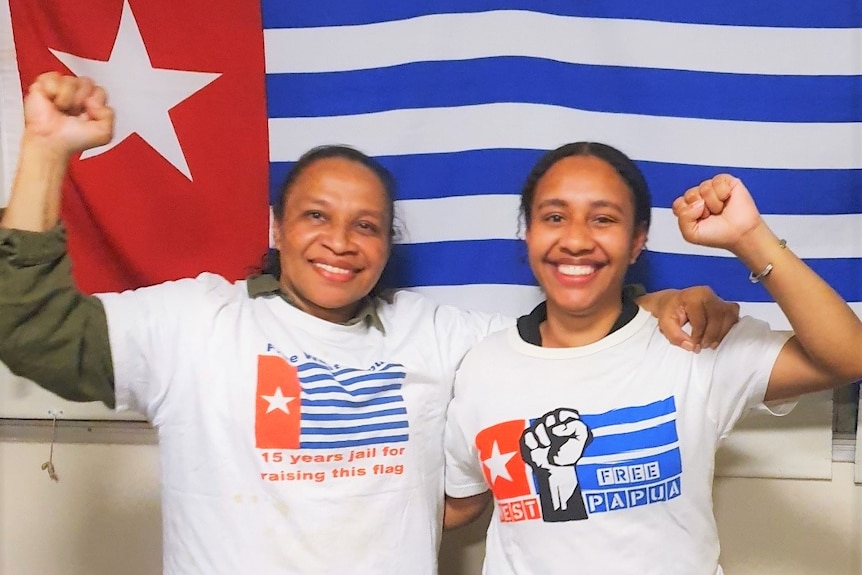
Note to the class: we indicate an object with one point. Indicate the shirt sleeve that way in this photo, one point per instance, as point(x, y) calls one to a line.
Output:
point(462, 329)
point(740, 374)
point(464, 476)
point(50, 332)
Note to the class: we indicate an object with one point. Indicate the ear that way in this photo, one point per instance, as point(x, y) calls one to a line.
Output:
point(275, 226)
point(638, 242)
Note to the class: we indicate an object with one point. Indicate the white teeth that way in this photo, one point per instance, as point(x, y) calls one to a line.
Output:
point(332, 269)
point(570, 270)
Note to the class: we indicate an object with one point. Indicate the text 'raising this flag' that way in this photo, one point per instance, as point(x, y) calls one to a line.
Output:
point(458, 99)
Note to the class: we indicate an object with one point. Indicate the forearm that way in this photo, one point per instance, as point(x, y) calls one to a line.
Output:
point(35, 201)
point(827, 330)
point(459, 511)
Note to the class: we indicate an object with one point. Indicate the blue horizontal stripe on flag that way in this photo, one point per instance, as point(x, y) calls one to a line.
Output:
point(777, 13)
point(354, 392)
point(352, 442)
point(459, 263)
point(789, 192)
point(670, 465)
point(373, 376)
point(354, 429)
point(339, 374)
point(352, 415)
point(342, 379)
point(678, 93)
point(345, 403)
point(503, 171)
point(630, 414)
point(504, 262)
point(648, 438)
point(729, 277)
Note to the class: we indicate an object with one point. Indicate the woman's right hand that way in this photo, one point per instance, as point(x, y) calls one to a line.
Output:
point(67, 114)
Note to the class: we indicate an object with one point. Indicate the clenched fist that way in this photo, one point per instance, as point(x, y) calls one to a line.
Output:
point(66, 113)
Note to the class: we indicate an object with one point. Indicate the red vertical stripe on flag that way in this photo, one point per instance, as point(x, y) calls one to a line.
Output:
point(500, 453)
point(277, 409)
point(133, 216)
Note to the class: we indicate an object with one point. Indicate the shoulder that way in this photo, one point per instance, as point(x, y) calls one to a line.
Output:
point(749, 329)
point(406, 307)
point(491, 350)
point(202, 291)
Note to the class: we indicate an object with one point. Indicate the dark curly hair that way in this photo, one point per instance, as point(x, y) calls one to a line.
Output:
point(623, 165)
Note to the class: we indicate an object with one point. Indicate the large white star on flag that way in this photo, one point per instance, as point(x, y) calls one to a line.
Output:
point(140, 94)
point(277, 401)
point(496, 464)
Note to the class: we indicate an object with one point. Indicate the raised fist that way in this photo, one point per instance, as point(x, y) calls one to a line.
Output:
point(67, 113)
point(716, 213)
point(554, 444)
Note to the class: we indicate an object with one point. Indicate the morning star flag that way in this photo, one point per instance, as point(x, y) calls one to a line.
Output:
point(458, 99)
point(314, 405)
point(182, 187)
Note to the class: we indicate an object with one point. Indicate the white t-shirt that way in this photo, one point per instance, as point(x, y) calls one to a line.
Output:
point(288, 444)
point(601, 457)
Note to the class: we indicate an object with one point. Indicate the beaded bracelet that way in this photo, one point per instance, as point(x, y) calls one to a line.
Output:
point(766, 270)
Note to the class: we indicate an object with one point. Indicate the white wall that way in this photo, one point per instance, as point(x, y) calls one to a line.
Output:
point(102, 518)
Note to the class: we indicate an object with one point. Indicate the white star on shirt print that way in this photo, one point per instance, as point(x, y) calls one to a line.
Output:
point(497, 464)
point(140, 94)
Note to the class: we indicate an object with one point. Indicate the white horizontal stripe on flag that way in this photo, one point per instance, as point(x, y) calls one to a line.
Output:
point(619, 428)
point(543, 127)
point(809, 236)
point(772, 314)
point(495, 216)
point(510, 300)
point(483, 217)
point(348, 423)
point(518, 300)
point(628, 455)
point(675, 46)
point(307, 436)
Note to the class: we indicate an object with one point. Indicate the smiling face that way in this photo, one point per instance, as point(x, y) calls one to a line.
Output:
point(581, 237)
point(334, 237)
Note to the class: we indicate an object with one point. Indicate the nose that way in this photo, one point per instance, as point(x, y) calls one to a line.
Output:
point(577, 238)
point(339, 238)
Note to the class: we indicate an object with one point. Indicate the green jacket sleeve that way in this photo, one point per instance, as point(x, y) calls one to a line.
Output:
point(50, 332)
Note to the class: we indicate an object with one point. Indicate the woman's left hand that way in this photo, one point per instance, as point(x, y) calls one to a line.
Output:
point(709, 317)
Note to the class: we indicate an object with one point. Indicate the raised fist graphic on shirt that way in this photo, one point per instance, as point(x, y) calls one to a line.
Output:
point(552, 446)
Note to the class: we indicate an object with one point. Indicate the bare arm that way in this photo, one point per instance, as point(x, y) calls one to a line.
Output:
point(459, 511)
point(825, 349)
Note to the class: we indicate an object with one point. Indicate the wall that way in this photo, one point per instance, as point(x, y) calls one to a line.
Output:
point(102, 518)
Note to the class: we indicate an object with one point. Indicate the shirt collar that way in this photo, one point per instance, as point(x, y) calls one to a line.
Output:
point(264, 285)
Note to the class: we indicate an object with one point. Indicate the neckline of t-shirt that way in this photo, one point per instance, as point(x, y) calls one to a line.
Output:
point(294, 317)
point(609, 341)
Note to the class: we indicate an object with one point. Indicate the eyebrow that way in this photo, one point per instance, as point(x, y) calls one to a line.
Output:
point(323, 203)
point(558, 203)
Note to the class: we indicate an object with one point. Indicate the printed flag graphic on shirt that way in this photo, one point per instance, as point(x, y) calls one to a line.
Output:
point(313, 405)
point(633, 459)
